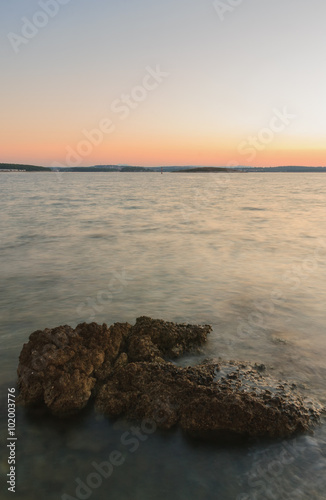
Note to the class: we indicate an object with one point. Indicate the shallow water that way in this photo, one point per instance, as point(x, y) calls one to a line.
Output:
point(242, 252)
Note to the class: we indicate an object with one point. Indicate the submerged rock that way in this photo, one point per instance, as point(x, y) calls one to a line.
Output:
point(128, 371)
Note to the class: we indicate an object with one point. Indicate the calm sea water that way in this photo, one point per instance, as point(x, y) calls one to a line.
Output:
point(245, 253)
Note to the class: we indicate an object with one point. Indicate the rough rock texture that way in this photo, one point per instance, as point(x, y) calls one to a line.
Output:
point(209, 397)
point(152, 338)
point(127, 370)
point(61, 366)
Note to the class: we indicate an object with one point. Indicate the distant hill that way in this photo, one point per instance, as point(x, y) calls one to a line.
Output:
point(172, 168)
point(283, 169)
point(103, 168)
point(205, 170)
point(119, 168)
point(28, 168)
point(177, 169)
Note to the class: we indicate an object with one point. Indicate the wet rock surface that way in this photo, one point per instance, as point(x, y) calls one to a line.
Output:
point(128, 371)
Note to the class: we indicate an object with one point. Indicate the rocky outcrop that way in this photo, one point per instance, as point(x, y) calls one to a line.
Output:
point(128, 371)
point(154, 338)
point(61, 367)
point(209, 397)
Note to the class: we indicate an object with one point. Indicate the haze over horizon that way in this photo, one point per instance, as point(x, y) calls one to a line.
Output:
point(210, 83)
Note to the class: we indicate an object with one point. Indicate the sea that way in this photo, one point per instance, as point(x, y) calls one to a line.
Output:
point(243, 252)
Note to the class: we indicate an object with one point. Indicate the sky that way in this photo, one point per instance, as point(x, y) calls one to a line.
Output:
point(162, 82)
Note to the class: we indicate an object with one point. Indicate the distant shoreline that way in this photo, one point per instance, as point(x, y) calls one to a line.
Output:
point(13, 167)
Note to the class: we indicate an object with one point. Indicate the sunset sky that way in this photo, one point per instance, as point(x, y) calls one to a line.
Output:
point(162, 82)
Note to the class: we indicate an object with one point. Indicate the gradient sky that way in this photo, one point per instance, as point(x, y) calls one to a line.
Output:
point(231, 75)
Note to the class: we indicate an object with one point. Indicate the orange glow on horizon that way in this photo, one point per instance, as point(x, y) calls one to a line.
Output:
point(154, 151)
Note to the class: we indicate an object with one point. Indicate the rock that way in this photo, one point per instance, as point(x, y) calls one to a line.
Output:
point(128, 372)
point(60, 367)
point(164, 339)
point(201, 400)
point(121, 361)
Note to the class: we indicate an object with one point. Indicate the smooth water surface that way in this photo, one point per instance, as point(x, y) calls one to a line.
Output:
point(245, 253)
